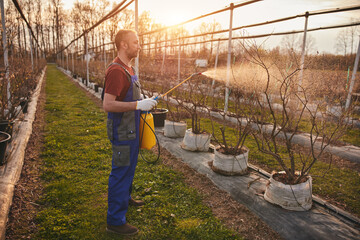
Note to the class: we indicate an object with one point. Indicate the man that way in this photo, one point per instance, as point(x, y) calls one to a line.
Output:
point(123, 103)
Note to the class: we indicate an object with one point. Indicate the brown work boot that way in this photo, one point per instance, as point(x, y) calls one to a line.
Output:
point(125, 230)
point(136, 203)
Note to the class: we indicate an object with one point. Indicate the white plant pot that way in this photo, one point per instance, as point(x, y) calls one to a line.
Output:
point(296, 197)
point(196, 142)
point(335, 111)
point(230, 164)
point(174, 129)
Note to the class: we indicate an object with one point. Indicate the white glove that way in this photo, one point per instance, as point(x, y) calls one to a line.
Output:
point(146, 104)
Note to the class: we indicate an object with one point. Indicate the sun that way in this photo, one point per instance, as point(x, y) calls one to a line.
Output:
point(170, 19)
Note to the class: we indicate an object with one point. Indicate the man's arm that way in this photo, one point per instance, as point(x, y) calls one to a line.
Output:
point(110, 105)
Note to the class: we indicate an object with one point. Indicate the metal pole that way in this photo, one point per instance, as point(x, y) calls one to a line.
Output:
point(6, 59)
point(87, 58)
point(229, 60)
point(302, 61)
point(67, 61)
point(31, 51)
point(72, 60)
point(136, 29)
point(164, 55)
point(179, 60)
point(36, 55)
point(356, 65)
point(215, 67)
point(104, 54)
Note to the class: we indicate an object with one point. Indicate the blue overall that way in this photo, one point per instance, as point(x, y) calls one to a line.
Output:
point(123, 132)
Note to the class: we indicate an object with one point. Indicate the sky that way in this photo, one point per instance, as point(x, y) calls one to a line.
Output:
point(169, 12)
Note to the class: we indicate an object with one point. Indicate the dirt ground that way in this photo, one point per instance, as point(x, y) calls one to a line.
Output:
point(21, 223)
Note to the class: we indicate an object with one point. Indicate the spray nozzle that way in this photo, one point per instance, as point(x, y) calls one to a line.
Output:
point(194, 74)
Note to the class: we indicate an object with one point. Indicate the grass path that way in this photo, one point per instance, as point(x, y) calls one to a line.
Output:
point(76, 163)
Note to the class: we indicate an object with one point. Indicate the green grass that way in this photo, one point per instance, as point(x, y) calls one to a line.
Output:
point(76, 164)
point(339, 184)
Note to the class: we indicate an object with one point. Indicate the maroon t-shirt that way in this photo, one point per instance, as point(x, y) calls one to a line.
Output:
point(116, 81)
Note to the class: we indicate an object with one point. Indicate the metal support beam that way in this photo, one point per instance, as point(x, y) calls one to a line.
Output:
point(356, 65)
point(87, 58)
point(179, 60)
point(137, 30)
point(31, 50)
point(229, 60)
point(6, 56)
point(215, 67)
point(302, 61)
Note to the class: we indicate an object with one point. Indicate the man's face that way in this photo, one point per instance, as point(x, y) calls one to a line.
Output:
point(133, 46)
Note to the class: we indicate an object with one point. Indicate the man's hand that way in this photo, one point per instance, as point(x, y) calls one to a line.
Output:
point(146, 104)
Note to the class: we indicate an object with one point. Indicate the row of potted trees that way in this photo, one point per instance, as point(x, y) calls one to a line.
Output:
point(253, 114)
point(271, 113)
point(22, 80)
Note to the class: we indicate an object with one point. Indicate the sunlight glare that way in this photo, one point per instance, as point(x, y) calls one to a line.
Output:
point(172, 19)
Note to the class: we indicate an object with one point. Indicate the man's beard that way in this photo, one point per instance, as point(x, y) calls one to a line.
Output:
point(132, 54)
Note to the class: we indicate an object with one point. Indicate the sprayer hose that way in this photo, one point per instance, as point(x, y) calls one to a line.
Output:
point(157, 142)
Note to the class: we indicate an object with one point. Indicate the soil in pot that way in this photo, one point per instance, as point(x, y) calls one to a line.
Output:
point(4, 140)
point(159, 115)
point(295, 197)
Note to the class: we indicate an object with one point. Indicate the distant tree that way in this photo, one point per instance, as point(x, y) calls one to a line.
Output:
point(294, 42)
point(208, 29)
point(353, 32)
point(342, 42)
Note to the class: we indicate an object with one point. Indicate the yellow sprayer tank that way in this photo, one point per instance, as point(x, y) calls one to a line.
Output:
point(147, 134)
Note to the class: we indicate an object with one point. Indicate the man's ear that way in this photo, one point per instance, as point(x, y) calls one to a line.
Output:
point(124, 44)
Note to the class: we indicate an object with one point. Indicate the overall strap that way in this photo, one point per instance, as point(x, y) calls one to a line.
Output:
point(126, 72)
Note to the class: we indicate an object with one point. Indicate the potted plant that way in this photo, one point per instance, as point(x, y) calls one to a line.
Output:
point(22, 82)
point(175, 125)
point(159, 114)
point(4, 140)
point(193, 99)
point(231, 155)
point(290, 188)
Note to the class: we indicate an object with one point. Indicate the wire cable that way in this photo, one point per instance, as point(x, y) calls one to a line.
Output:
point(17, 6)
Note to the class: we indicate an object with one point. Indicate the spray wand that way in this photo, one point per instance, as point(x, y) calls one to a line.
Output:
point(151, 126)
point(162, 95)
